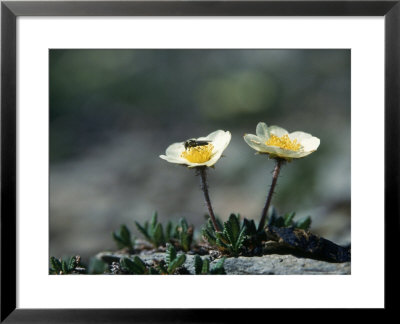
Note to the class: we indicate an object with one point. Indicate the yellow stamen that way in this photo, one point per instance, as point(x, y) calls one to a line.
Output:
point(283, 142)
point(198, 154)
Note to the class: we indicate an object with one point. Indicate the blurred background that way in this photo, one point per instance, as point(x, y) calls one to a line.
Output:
point(113, 112)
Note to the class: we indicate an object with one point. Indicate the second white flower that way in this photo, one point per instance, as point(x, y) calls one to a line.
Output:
point(277, 142)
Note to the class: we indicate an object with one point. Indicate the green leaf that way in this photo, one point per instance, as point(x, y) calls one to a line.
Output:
point(71, 263)
point(140, 264)
point(221, 240)
point(288, 218)
point(184, 242)
point(168, 231)
point(219, 223)
point(118, 241)
point(218, 268)
point(304, 223)
point(183, 224)
point(206, 266)
point(208, 236)
point(144, 230)
point(131, 266)
point(250, 226)
point(55, 264)
point(198, 264)
point(154, 220)
point(239, 242)
point(185, 234)
point(232, 228)
point(123, 237)
point(176, 263)
point(170, 254)
point(64, 267)
point(158, 236)
point(125, 234)
point(221, 237)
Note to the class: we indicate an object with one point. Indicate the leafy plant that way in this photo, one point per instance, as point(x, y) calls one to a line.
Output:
point(287, 220)
point(184, 234)
point(172, 261)
point(254, 237)
point(123, 238)
point(231, 239)
point(208, 232)
point(235, 238)
point(153, 231)
point(136, 266)
point(181, 235)
point(168, 266)
point(70, 265)
point(202, 266)
point(170, 232)
point(303, 223)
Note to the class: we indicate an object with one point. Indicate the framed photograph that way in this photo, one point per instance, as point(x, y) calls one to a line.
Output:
point(242, 149)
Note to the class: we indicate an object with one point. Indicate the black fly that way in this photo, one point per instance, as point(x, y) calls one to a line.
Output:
point(194, 143)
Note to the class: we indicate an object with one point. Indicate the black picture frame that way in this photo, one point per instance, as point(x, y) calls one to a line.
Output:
point(10, 10)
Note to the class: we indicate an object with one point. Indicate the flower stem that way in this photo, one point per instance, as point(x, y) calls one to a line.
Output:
point(203, 176)
point(277, 168)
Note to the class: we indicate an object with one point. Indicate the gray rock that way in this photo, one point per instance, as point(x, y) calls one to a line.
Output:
point(275, 264)
point(272, 264)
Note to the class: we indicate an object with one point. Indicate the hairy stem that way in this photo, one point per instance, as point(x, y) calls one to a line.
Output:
point(278, 165)
point(203, 176)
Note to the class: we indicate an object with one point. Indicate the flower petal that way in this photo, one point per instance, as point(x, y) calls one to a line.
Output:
point(254, 142)
point(262, 131)
point(220, 144)
point(175, 150)
point(299, 154)
point(310, 144)
point(299, 136)
point(212, 136)
point(173, 159)
point(287, 153)
point(221, 141)
point(277, 131)
point(216, 136)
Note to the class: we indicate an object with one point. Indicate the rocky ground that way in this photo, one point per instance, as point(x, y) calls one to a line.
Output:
point(272, 264)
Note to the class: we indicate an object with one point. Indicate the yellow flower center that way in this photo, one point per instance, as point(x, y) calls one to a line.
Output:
point(198, 154)
point(283, 142)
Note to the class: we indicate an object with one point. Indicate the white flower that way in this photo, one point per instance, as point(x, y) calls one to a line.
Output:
point(277, 142)
point(201, 155)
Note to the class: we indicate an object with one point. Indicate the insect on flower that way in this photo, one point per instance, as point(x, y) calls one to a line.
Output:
point(197, 152)
point(193, 143)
